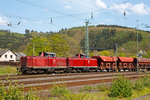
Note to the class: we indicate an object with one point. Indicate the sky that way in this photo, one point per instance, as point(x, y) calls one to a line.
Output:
point(53, 15)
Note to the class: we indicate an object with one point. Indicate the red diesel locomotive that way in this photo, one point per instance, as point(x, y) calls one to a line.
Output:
point(49, 63)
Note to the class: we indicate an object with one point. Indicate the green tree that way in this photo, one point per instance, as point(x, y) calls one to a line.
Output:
point(121, 55)
point(104, 53)
point(38, 44)
point(58, 45)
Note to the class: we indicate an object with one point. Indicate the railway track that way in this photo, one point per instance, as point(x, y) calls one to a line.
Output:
point(46, 81)
point(20, 76)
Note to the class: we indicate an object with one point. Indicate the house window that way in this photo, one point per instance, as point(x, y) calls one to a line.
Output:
point(11, 56)
point(5, 56)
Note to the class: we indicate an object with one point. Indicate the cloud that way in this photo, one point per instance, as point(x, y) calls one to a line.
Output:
point(101, 4)
point(140, 9)
point(120, 7)
point(3, 21)
point(68, 7)
point(82, 5)
point(148, 9)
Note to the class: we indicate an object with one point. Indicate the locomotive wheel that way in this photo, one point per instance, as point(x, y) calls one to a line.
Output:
point(124, 69)
point(78, 70)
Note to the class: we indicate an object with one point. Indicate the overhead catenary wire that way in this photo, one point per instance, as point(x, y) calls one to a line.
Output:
point(51, 19)
point(28, 19)
point(70, 15)
point(50, 10)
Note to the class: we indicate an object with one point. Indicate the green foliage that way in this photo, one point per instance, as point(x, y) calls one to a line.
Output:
point(14, 92)
point(146, 81)
point(54, 43)
point(68, 42)
point(11, 40)
point(59, 90)
point(87, 88)
point(138, 85)
point(147, 55)
point(121, 87)
point(58, 44)
point(31, 96)
point(121, 55)
point(38, 44)
point(104, 53)
point(102, 88)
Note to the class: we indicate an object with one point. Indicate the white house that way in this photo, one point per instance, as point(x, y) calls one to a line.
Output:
point(7, 55)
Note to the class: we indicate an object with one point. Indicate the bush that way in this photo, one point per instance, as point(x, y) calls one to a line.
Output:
point(138, 85)
point(121, 87)
point(141, 83)
point(146, 81)
point(59, 90)
point(11, 93)
point(14, 92)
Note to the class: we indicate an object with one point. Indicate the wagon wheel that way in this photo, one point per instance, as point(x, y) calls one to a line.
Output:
point(78, 70)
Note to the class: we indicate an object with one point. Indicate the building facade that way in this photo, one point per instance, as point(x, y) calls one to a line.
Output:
point(7, 55)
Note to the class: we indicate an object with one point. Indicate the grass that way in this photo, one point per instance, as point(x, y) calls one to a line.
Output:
point(8, 70)
point(101, 96)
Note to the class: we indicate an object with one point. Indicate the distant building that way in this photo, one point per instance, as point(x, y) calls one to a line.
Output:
point(18, 55)
point(8, 55)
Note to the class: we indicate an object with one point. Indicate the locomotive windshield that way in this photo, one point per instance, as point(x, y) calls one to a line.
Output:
point(47, 54)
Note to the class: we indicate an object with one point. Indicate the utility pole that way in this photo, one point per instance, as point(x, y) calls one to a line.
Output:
point(115, 49)
point(87, 39)
point(33, 48)
point(137, 47)
point(116, 54)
